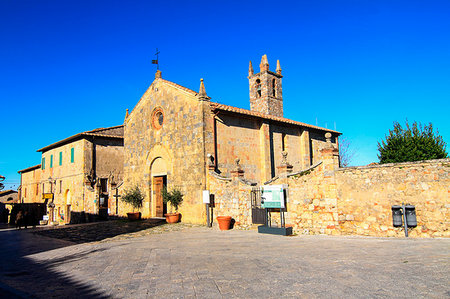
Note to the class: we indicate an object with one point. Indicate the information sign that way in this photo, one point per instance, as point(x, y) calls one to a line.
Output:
point(272, 197)
point(47, 196)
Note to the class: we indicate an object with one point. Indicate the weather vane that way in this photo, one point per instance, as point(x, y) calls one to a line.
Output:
point(156, 61)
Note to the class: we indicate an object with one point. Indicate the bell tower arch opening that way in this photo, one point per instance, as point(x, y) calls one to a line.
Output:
point(265, 89)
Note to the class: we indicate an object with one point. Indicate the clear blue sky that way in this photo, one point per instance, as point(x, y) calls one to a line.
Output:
point(72, 66)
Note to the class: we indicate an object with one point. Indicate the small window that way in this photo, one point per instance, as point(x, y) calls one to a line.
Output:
point(60, 186)
point(283, 141)
point(51, 161)
point(72, 155)
point(258, 88)
point(37, 189)
point(43, 163)
point(157, 118)
point(60, 158)
point(104, 185)
point(274, 85)
point(43, 188)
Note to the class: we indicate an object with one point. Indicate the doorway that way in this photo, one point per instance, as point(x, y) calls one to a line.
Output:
point(159, 182)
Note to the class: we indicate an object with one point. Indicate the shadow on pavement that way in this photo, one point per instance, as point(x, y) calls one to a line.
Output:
point(98, 231)
point(21, 276)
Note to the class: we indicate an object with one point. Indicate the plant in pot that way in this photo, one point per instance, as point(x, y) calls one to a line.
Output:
point(134, 197)
point(175, 198)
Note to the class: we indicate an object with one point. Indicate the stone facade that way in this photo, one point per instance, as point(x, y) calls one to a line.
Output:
point(174, 136)
point(326, 199)
point(175, 150)
point(30, 179)
point(73, 170)
point(266, 93)
point(366, 195)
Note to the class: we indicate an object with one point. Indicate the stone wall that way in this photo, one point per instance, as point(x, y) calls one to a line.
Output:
point(366, 195)
point(232, 198)
point(326, 199)
point(238, 137)
point(179, 142)
point(30, 186)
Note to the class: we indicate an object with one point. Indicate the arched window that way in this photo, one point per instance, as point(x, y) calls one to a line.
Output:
point(258, 88)
point(274, 85)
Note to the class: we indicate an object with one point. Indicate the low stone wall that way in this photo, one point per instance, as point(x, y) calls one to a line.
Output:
point(366, 194)
point(232, 198)
point(329, 200)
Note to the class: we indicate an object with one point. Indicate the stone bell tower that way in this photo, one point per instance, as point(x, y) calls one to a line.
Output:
point(265, 89)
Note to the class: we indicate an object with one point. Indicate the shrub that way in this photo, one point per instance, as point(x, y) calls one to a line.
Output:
point(175, 197)
point(133, 197)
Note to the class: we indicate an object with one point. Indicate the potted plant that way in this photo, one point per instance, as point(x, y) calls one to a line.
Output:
point(134, 197)
point(175, 198)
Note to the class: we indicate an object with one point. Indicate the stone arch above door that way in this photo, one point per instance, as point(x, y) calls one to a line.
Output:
point(159, 151)
point(158, 167)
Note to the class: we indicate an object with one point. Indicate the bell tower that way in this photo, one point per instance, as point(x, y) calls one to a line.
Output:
point(265, 89)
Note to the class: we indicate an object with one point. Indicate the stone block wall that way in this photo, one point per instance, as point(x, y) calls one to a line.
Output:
point(366, 194)
point(232, 198)
point(238, 137)
point(30, 186)
point(179, 142)
point(325, 199)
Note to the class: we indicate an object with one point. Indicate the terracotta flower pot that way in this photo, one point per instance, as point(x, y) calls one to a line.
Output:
point(224, 222)
point(134, 216)
point(172, 217)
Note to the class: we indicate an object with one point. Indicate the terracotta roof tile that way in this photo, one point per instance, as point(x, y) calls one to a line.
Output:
point(86, 133)
point(217, 106)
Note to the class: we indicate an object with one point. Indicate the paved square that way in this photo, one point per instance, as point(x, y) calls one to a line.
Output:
point(197, 262)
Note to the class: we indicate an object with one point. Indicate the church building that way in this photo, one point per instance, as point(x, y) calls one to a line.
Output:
point(175, 135)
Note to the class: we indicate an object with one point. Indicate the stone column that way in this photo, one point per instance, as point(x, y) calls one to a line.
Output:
point(264, 146)
point(305, 149)
point(330, 156)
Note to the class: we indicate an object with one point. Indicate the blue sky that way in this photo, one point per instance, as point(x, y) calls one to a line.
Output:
point(72, 66)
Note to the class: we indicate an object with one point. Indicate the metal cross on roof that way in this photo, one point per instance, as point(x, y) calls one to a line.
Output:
point(156, 61)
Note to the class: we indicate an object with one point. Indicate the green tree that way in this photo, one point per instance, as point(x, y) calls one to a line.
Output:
point(412, 143)
point(174, 197)
point(134, 197)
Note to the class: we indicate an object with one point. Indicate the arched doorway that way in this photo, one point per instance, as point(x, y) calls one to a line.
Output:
point(158, 170)
point(68, 203)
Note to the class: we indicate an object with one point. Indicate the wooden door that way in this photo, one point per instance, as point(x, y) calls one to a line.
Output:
point(158, 184)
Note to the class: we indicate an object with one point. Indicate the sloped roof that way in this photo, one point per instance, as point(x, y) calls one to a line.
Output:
point(217, 106)
point(115, 132)
point(3, 193)
point(179, 86)
point(30, 168)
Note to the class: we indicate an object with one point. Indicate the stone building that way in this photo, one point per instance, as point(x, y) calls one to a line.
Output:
point(30, 179)
point(78, 174)
point(174, 136)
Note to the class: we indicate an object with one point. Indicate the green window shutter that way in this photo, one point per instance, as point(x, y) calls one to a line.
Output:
point(51, 161)
point(60, 158)
point(72, 155)
point(43, 163)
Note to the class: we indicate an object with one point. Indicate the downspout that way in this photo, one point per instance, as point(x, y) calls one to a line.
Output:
point(216, 161)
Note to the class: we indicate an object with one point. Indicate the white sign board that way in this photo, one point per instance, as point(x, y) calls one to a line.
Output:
point(272, 196)
point(206, 196)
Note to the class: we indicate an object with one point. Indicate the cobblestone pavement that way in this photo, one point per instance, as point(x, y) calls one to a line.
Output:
point(180, 261)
